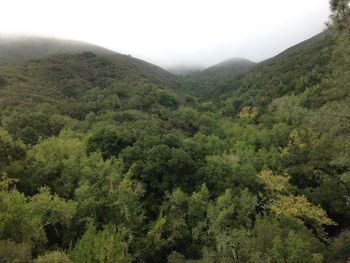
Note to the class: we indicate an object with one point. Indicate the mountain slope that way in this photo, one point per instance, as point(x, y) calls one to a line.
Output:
point(204, 83)
point(227, 69)
point(308, 43)
point(68, 79)
point(290, 72)
point(21, 48)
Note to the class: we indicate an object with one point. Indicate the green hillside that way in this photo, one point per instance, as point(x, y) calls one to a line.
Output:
point(242, 79)
point(205, 82)
point(59, 78)
point(227, 69)
point(106, 158)
point(290, 72)
point(24, 48)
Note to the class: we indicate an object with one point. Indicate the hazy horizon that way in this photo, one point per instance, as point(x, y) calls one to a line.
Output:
point(172, 33)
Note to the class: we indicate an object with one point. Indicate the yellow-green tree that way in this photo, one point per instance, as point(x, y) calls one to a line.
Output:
point(280, 200)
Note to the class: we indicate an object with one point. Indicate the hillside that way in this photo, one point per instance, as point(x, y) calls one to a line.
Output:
point(227, 69)
point(309, 43)
point(101, 160)
point(290, 72)
point(70, 80)
point(235, 77)
point(204, 83)
point(23, 48)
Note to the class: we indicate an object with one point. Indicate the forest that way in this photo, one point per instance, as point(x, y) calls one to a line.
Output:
point(104, 159)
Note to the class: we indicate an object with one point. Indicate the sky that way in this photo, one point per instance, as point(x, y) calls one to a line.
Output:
point(172, 33)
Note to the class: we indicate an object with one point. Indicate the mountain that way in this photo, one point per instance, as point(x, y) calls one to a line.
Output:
point(290, 72)
point(14, 49)
point(299, 66)
point(227, 69)
point(69, 81)
point(205, 82)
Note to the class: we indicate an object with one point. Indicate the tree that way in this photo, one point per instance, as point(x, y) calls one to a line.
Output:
point(339, 8)
point(292, 250)
point(106, 196)
point(26, 219)
point(109, 141)
point(53, 257)
point(52, 209)
point(105, 246)
point(249, 112)
point(10, 149)
point(281, 202)
point(30, 125)
point(55, 162)
point(339, 249)
point(14, 252)
point(232, 210)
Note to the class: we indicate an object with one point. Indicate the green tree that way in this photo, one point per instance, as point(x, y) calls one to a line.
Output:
point(292, 250)
point(26, 219)
point(53, 257)
point(105, 246)
point(10, 149)
point(109, 141)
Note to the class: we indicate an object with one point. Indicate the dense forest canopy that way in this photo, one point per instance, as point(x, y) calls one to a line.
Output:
point(105, 158)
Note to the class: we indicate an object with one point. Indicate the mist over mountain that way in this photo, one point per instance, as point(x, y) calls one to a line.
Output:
point(184, 70)
point(19, 48)
point(233, 67)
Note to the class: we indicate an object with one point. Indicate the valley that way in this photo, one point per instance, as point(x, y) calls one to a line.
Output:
point(108, 158)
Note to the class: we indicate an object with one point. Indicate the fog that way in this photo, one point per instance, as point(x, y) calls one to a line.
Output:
point(169, 33)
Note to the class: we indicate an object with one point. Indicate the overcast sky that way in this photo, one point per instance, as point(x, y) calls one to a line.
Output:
point(172, 32)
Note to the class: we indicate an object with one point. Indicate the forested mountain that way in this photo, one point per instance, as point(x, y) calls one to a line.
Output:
point(105, 158)
point(233, 79)
point(23, 48)
point(68, 77)
point(204, 83)
point(224, 70)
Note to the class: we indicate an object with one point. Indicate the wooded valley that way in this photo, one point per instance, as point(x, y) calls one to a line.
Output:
point(107, 158)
